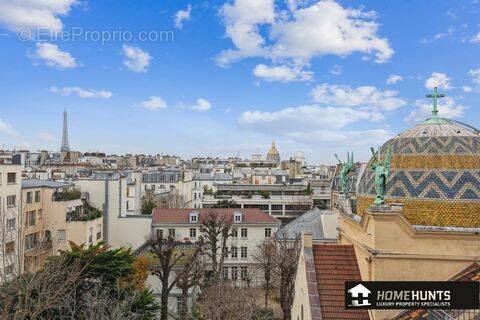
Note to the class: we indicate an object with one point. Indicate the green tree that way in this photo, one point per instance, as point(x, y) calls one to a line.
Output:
point(226, 204)
point(147, 207)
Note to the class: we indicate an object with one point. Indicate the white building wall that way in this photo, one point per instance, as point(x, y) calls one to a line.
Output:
point(10, 215)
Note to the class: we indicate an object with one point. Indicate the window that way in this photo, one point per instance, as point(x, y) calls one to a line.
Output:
point(9, 269)
point(193, 233)
point(90, 235)
point(62, 234)
point(244, 233)
point(159, 233)
point(234, 252)
point(29, 197)
point(39, 213)
point(30, 219)
point(99, 231)
point(30, 241)
point(243, 272)
point(11, 201)
point(37, 196)
point(234, 233)
point(234, 273)
point(11, 177)
point(225, 273)
point(243, 252)
point(268, 232)
point(179, 305)
point(11, 223)
point(194, 217)
point(153, 187)
point(171, 233)
point(237, 217)
point(10, 247)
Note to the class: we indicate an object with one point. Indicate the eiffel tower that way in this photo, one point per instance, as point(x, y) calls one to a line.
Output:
point(65, 147)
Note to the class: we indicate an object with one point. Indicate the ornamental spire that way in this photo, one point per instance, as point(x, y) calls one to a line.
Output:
point(434, 96)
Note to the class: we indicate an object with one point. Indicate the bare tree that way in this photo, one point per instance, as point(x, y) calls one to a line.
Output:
point(171, 200)
point(264, 256)
point(216, 229)
point(224, 300)
point(287, 253)
point(168, 257)
point(190, 275)
point(29, 295)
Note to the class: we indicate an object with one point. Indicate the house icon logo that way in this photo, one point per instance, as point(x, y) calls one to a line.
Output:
point(359, 296)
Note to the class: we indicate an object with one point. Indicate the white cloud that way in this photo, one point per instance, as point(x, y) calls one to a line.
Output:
point(153, 103)
point(202, 105)
point(475, 75)
point(366, 97)
point(136, 59)
point(34, 14)
point(336, 70)
point(300, 34)
point(447, 108)
point(302, 118)
point(82, 93)
point(8, 130)
point(182, 16)
point(52, 56)
point(394, 78)
point(475, 38)
point(450, 31)
point(350, 138)
point(467, 89)
point(281, 73)
point(313, 124)
point(439, 80)
point(242, 19)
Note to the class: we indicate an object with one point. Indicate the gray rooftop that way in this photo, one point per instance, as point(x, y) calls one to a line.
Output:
point(214, 176)
point(309, 222)
point(36, 183)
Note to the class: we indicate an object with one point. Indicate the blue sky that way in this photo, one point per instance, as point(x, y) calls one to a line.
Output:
point(229, 76)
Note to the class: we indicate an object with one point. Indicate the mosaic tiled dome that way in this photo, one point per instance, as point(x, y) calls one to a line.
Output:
point(435, 173)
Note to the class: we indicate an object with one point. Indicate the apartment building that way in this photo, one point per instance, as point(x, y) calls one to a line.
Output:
point(54, 213)
point(10, 219)
point(249, 228)
point(285, 202)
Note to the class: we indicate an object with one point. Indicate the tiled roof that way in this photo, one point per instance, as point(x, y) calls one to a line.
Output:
point(470, 273)
point(253, 215)
point(334, 265)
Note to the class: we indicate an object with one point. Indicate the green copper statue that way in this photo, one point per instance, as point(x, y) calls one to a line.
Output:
point(346, 168)
point(382, 171)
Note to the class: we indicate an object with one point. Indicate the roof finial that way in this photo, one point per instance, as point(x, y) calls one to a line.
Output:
point(435, 95)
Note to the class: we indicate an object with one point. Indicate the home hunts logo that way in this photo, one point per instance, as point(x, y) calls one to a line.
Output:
point(412, 295)
point(359, 295)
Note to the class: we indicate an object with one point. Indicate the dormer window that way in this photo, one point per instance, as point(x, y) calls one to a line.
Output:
point(237, 216)
point(194, 217)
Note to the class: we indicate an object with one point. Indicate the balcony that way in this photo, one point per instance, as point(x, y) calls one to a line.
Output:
point(67, 195)
point(38, 249)
point(87, 214)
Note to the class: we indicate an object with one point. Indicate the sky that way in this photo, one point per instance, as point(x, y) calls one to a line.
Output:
point(225, 78)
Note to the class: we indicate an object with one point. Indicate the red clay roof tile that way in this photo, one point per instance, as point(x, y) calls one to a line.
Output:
point(251, 215)
point(334, 265)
